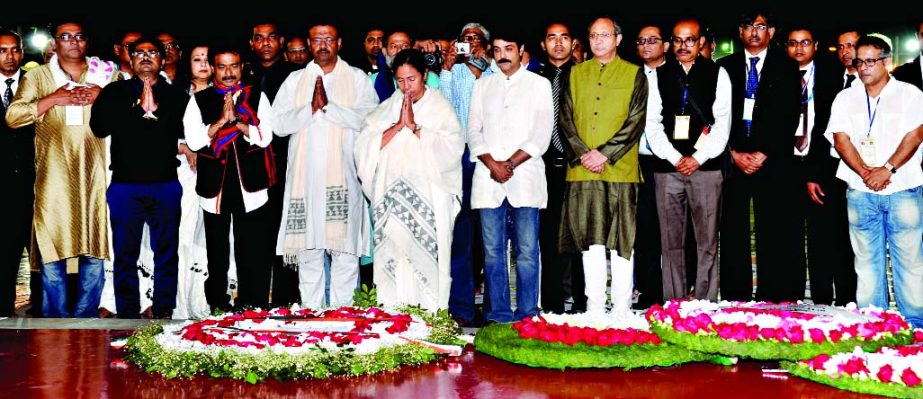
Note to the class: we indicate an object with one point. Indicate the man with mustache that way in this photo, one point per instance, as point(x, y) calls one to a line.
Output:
point(557, 268)
point(846, 53)
point(877, 129)
point(696, 98)
point(172, 54)
point(266, 72)
point(384, 78)
point(823, 210)
point(230, 125)
point(296, 51)
point(322, 107)
point(144, 117)
point(69, 224)
point(509, 128)
point(765, 111)
point(373, 45)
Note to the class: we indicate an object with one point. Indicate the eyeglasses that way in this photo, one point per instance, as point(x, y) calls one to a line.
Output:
point(841, 46)
point(759, 27)
point(171, 46)
point(648, 40)
point(148, 53)
point(297, 50)
point(870, 62)
point(66, 37)
point(318, 40)
point(605, 35)
point(689, 41)
point(470, 38)
point(802, 43)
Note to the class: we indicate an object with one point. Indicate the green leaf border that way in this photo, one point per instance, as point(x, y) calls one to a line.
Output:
point(501, 341)
point(854, 384)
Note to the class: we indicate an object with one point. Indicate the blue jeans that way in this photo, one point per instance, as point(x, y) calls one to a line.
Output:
point(877, 223)
point(461, 293)
point(89, 288)
point(130, 207)
point(525, 240)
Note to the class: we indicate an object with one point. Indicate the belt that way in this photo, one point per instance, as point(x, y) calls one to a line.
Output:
point(558, 162)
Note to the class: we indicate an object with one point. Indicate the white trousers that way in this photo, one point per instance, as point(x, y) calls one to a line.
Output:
point(597, 274)
point(344, 277)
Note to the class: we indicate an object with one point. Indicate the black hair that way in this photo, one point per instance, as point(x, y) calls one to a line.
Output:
point(507, 35)
point(148, 39)
point(875, 42)
point(412, 57)
point(747, 18)
point(213, 53)
point(5, 32)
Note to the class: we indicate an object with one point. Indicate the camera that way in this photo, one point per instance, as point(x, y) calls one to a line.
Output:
point(433, 60)
point(463, 48)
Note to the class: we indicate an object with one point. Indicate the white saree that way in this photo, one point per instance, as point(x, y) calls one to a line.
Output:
point(415, 188)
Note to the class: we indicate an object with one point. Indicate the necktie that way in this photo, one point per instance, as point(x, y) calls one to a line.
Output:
point(801, 142)
point(849, 79)
point(555, 95)
point(8, 94)
point(753, 80)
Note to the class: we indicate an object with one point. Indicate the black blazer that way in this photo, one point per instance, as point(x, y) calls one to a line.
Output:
point(828, 77)
point(18, 146)
point(775, 114)
point(910, 73)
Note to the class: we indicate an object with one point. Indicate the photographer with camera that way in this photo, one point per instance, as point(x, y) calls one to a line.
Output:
point(397, 41)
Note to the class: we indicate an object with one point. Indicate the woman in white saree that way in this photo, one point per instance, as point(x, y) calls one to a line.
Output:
point(409, 162)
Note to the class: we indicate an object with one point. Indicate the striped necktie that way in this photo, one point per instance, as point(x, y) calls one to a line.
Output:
point(753, 81)
point(555, 95)
point(8, 94)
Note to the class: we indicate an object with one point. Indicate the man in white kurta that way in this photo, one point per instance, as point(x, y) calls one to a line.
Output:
point(325, 214)
point(414, 182)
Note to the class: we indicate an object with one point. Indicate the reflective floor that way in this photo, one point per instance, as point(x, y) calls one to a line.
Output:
point(70, 363)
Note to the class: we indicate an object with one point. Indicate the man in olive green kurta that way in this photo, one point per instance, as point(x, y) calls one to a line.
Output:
point(70, 220)
point(602, 116)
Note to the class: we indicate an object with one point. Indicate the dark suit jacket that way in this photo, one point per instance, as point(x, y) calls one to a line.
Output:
point(828, 77)
point(18, 146)
point(775, 114)
point(910, 73)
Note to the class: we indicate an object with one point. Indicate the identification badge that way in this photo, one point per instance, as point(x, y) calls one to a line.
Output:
point(867, 151)
point(701, 140)
point(73, 115)
point(681, 128)
point(749, 103)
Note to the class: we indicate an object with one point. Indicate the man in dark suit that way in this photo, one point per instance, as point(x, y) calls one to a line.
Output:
point(823, 205)
point(765, 96)
point(17, 168)
point(846, 53)
point(912, 72)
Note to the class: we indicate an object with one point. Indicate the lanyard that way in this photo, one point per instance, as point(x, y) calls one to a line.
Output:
point(872, 115)
point(685, 95)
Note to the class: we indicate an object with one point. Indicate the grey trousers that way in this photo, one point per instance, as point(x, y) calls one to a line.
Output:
point(676, 196)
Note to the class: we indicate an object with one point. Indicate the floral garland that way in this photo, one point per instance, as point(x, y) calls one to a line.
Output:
point(581, 341)
point(293, 343)
point(895, 372)
point(762, 330)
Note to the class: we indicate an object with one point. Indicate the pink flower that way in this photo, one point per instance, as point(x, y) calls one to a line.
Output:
point(835, 336)
point(918, 335)
point(767, 333)
point(817, 336)
point(818, 362)
point(884, 373)
point(910, 378)
point(853, 366)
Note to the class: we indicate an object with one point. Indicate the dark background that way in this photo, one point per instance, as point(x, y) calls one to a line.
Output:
point(229, 22)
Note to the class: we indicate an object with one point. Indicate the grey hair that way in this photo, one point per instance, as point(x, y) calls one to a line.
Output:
point(475, 25)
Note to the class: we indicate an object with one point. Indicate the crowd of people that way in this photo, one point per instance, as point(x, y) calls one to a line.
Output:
point(176, 182)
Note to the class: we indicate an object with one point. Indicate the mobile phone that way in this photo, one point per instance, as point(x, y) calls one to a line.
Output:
point(463, 48)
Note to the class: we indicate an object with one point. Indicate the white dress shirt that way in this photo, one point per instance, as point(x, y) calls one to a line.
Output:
point(714, 142)
point(898, 112)
point(644, 148)
point(759, 64)
point(197, 138)
point(508, 114)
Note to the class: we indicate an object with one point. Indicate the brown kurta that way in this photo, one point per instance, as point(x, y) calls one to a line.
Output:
point(603, 108)
point(70, 175)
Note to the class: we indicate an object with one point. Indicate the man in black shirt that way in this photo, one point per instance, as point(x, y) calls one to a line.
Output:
point(144, 116)
point(267, 72)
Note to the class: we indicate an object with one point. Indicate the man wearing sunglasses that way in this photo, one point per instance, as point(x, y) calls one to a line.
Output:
point(876, 128)
point(69, 226)
point(144, 117)
point(765, 96)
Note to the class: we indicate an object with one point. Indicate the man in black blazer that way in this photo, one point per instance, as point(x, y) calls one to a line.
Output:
point(17, 171)
point(912, 72)
point(765, 109)
point(821, 197)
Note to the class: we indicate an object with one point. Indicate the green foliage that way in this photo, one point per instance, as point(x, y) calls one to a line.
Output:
point(771, 349)
point(364, 298)
point(444, 330)
point(854, 384)
point(501, 341)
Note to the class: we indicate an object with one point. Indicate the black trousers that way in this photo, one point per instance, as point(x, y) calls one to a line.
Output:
point(775, 226)
point(252, 250)
point(648, 276)
point(830, 260)
point(284, 278)
point(17, 223)
point(553, 262)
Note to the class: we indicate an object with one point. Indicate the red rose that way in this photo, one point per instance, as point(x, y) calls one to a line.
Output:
point(910, 378)
point(836, 335)
point(817, 336)
point(884, 373)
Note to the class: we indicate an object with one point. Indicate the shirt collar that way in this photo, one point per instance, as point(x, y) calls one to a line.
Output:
point(649, 70)
point(15, 78)
point(516, 75)
point(761, 54)
point(808, 67)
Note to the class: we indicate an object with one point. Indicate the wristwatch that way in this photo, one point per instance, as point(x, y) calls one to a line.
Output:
point(417, 127)
point(890, 167)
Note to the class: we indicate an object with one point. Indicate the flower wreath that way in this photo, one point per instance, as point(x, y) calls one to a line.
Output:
point(581, 341)
point(768, 331)
point(895, 372)
point(291, 343)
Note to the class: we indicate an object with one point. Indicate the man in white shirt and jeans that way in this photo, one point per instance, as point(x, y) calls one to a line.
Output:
point(876, 129)
point(509, 128)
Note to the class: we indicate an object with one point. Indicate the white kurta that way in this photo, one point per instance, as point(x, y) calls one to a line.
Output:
point(415, 187)
point(289, 120)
